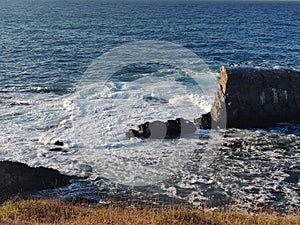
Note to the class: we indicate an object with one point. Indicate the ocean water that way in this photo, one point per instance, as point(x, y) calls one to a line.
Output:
point(84, 72)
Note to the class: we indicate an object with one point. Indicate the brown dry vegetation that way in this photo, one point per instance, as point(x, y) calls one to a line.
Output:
point(56, 212)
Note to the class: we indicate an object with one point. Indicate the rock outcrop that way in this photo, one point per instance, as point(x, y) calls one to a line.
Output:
point(19, 178)
point(163, 130)
point(249, 97)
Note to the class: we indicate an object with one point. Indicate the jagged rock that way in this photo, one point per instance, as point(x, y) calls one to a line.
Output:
point(160, 130)
point(57, 149)
point(204, 121)
point(250, 97)
point(17, 178)
point(59, 143)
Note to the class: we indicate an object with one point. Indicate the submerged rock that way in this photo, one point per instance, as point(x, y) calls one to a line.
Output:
point(18, 178)
point(249, 97)
point(155, 99)
point(58, 149)
point(59, 143)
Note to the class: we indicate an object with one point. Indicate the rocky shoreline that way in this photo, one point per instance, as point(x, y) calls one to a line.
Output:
point(246, 97)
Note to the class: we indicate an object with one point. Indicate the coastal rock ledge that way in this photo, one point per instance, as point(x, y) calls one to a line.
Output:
point(18, 178)
point(253, 97)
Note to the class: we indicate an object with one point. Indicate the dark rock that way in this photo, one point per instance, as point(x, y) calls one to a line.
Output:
point(293, 177)
point(155, 99)
point(57, 149)
point(59, 143)
point(249, 97)
point(186, 126)
point(133, 133)
point(19, 103)
point(294, 174)
point(204, 121)
point(18, 178)
point(160, 130)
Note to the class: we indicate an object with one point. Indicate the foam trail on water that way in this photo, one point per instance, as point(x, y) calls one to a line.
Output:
point(92, 123)
point(102, 115)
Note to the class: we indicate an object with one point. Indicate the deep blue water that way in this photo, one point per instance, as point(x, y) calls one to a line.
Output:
point(50, 43)
point(45, 49)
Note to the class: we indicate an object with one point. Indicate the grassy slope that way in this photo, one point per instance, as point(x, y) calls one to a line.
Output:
point(56, 212)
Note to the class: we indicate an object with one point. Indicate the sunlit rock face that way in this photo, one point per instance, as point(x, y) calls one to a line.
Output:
point(254, 97)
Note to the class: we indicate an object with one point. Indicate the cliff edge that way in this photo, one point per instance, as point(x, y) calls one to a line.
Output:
point(249, 97)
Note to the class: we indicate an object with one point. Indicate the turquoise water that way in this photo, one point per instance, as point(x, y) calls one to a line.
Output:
point(48, 45)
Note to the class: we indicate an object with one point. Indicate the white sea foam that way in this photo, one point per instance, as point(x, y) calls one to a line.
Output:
point(92, 124)
point(100, 123)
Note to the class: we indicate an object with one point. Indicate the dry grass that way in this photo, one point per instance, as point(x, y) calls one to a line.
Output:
point(55, 212)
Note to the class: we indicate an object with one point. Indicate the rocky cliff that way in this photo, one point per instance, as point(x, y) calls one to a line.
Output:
point(250, 97)
point(19, 178)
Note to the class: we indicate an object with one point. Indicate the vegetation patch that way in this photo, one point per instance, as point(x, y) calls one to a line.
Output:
point(57, 212)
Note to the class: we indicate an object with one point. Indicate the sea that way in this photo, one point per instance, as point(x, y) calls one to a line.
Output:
point(84, 72)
